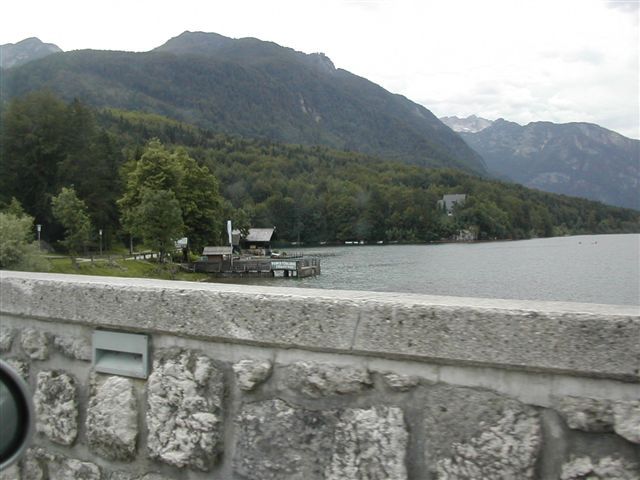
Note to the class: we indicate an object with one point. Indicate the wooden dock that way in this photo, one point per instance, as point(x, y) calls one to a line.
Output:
point(299, 267)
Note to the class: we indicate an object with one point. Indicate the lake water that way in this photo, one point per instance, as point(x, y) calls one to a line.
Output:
point(592, 269)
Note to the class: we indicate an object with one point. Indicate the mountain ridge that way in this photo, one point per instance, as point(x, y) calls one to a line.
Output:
point(577, 158)
point(24, 51)
point(253, 88)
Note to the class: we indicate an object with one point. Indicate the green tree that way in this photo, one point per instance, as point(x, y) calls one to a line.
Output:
point(240, 218)
point(158, 220)
point(194, 187)
point(72, 214)
point(46, 145)
point(15, 207)
point(491, 220)
point(32, 147)
point(200, 202)
point(91, 165)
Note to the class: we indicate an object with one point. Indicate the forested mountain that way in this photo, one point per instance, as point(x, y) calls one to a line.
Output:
point(16, 54)
point(578, 159)
point(254, 89)
point(311, 194)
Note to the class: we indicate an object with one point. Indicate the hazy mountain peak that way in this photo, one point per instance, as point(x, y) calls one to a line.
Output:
point(471, 124)
point(32, 48)
point(579, 159)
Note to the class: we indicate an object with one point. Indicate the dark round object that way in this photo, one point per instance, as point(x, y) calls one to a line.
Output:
point(16, 416)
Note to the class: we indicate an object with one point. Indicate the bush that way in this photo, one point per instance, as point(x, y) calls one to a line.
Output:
point(33, 261)
point(15, 236)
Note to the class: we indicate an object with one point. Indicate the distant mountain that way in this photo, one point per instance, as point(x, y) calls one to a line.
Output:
point(471, 124)
point(578, 159)
point(256, 89)
point(16, 54)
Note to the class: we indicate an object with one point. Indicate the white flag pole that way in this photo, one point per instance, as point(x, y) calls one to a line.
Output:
point(229, 230)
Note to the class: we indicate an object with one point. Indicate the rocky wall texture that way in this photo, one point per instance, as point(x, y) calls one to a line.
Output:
point(199, 416)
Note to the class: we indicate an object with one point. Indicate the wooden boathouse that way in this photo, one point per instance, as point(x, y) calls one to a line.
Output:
point(219, 261)
point(256, 242)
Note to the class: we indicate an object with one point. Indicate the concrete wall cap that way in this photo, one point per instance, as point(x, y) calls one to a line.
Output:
point(582, 339)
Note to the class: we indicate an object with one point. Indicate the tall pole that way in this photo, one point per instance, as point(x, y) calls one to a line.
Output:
point(100, 232)
point(229, 230)
point(38, 228)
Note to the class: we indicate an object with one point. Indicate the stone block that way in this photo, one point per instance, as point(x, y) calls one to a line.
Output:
point(251, 373)
point(607, 468)
point(20, 366)
point(626, 420)
point(400, 383)
point(184, 414)
point(112, 418)
point(541, 335)
point(33, 465)
point(11, 473)
point(369, 444)
point(586, 414)
point(279, 441)
point(120, 475)
point(73, 469)
point(136, 476)
point(72, 347)
point(507, 449)
point(35, 344)
point(467, 431)
point(32, 470)
point(317, 380)
point(56, 406)
point(273, 316)
point(6, 339)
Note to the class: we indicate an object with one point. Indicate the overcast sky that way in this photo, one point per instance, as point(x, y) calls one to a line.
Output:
point(525, 60)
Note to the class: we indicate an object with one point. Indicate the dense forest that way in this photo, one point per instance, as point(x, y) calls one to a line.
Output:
point(311, 194)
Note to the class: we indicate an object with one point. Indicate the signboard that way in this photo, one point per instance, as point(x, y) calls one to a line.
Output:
point(182, 243)
point(229, 232)
point(281, 265)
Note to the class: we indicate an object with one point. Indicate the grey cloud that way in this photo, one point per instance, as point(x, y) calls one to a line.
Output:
point(366, 4)
point(487, 90)
point(571, 91)
point(585, 55)
point(629, 6)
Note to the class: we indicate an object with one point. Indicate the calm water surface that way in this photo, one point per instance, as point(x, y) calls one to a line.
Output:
point(593, 269)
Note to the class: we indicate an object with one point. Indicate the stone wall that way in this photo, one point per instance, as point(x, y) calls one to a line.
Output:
point(276, 383)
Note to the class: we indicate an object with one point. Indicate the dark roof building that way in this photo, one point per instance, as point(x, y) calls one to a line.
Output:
point(217, 254)
point(257, 239)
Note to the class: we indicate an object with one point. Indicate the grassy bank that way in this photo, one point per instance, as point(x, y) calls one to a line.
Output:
point(123, 268)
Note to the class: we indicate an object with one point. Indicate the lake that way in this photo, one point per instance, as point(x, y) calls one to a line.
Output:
point(592, 269)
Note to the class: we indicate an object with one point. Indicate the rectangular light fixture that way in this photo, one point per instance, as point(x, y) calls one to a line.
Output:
point(125, 354)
